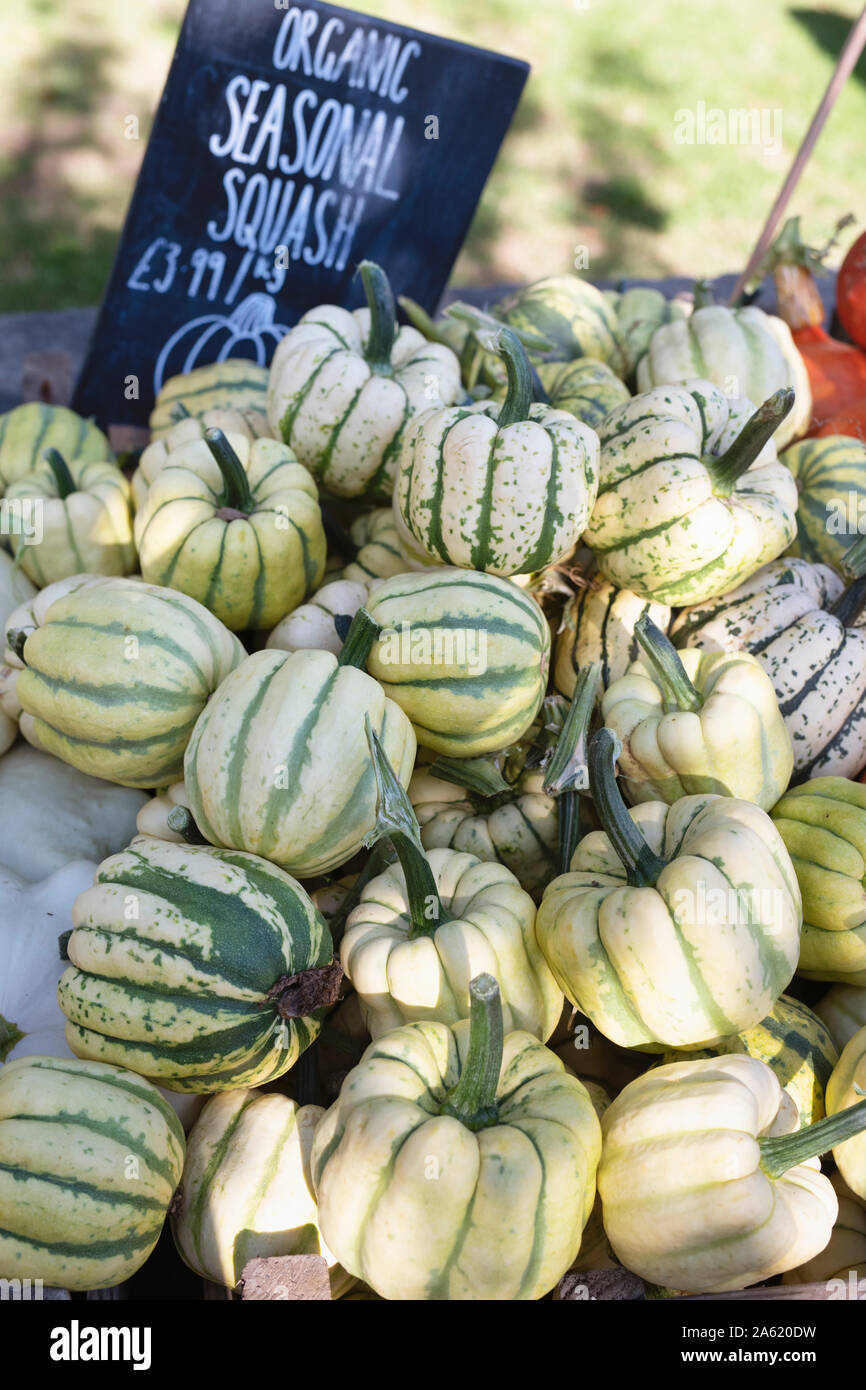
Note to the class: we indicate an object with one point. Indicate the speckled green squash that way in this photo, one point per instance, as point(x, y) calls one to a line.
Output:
point(233, 385)
point(586, 388)
point(569, 313)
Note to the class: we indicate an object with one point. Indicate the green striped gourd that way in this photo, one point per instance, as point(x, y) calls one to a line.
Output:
point(639, 312)
point(379, 553)
point(278, 763)
point(457, 1165)
point(831, 479)
point(506, 488)
point(344, 386)
point(465, 655)
point(518, 828)
point(691, 499)
point(676, 924)
point(426, 925)
point(116, 676)
point(244, 1193)
point(843, 1009)
point(598, 625)
point(28, 430)
point(795, 1044)
point(586, 388)
point(235, 525)
point(744, 352)
point(91, 1157)
point(187, 430)
point(323, 623)
point(796, 619)
point(15, 589)
point(202, 969)
point(571, 315)
point(85, 520)
point(823, 824)
point(235, 386)
point(692, 722)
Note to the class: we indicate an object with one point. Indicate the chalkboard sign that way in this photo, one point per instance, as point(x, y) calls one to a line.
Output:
point(290, 143)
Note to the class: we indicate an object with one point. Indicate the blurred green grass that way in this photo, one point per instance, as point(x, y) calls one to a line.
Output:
point(590, 161)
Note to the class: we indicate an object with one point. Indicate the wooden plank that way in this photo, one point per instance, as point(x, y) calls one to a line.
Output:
point(291, 1278)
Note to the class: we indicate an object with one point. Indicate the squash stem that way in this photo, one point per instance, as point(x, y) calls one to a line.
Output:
point(739, 456)
point(478, 775)
point(668, 669)
point(396, 820)
point(785, 1151)
point(518, 397)
point(383, 318)
point(16, 639)
point(180, 820)
point(473, 1100)
point(851, 603)
point(180, 412)
point(703, 294)
point(10, 1036)
point(359, 640)
point(63, 479)
point(568, 773)
point(237, 496)
point(641, 864)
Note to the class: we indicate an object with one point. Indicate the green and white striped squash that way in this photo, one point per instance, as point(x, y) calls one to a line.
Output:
point(690, 500)
point(456, 1165)
point(245, 1190)
point(187, 430)
point(85, 520)
point(502, 487)
point(744, 352)
point(181, 963)
point(823, 824)
point(843, 1009)
point(278, 763)
point(571, 315)
point(28, 430)
point(817, 663)
point(116, 675)
point(639, 312)
point(830, 474)
point(90, 1157)
point(235, 525)
point(234, 387)
point(586, 388)
point(464, 654)
point(687, 931)
point(598, 625)
point(344, 386)
point(379, 552)
point(15, 589)
point(518, 828)
point(794, 1043)
point(323, 623)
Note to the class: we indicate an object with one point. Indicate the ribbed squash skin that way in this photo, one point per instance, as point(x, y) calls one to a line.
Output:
point(507, 500)
point(817, 666)
point(279, 764)
point(117, 675)
point(379, 555)
point(571, 314)
point(323, 622)
point(186, 431)
point(831, 480)
point(598, 625)
point(846, 1249)
point(823, 824)
point(586, 388)
point(795, 1044)
point(477, 703)
point(90, 531)
point(244, 1192)
point(90, 1157)
point(344, 421)
point(843, 1009)
point(676, 963)
point(659, 526)
point(173, 952)
point(753, 350)
point(639, 312)
point(249, 571)
point(845, 1088)
point(28, 430)
point(504, 1220)
point(234, 384)
point(519, 829)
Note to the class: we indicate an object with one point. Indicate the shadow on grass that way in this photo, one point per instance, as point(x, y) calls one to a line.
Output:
point(828, 30)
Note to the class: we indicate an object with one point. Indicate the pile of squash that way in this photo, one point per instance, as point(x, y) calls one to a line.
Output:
point(458, 723)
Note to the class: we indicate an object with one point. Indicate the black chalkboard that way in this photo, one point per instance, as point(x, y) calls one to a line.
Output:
point(290, 143)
